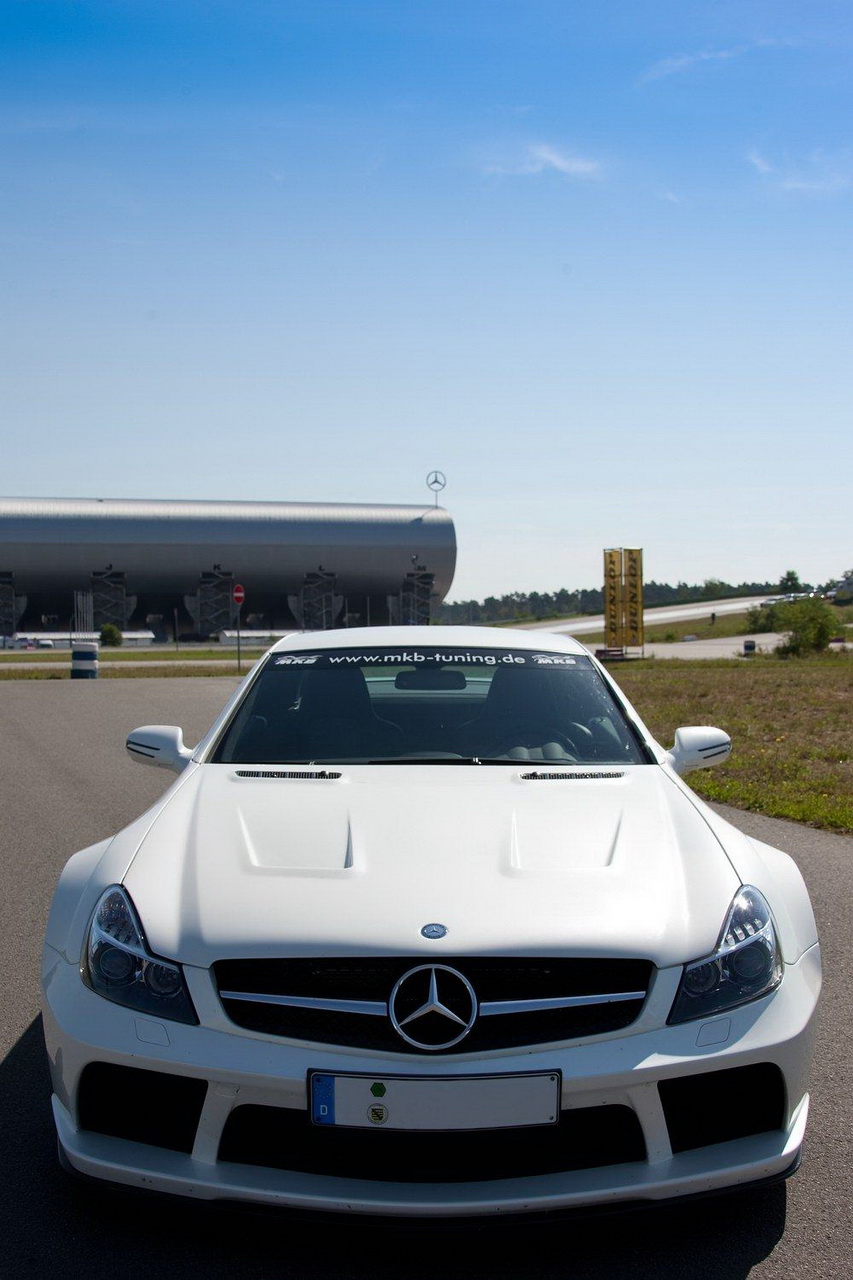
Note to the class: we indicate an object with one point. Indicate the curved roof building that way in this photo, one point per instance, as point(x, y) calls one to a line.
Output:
point(167, 551)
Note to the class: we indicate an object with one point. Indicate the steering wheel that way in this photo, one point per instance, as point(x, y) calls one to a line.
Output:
point(533, 734)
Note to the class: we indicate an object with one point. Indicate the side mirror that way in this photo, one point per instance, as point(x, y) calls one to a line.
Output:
point(161, 745)
point(698, 747)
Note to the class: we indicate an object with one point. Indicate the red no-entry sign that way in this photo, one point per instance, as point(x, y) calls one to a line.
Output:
point(238, 595)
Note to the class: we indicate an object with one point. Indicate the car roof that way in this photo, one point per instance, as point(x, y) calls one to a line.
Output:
point(453, 637)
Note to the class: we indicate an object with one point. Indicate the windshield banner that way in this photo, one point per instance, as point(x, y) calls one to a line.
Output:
point(404, 657)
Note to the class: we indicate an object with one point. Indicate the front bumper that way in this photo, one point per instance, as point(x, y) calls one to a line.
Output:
point(621, 1071)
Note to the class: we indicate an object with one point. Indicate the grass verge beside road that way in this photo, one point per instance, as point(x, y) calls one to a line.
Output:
point(727, 625)
point(107, 656)
point(790, 724)
point(119, 671)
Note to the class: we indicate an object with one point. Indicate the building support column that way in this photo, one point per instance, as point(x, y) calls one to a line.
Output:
point(214, 607)
point(110, 601)
point(7, 604)
point(318, 605)
point(412, 607)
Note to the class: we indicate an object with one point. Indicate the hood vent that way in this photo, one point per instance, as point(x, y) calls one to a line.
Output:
point(321, 776)
point(572, 777)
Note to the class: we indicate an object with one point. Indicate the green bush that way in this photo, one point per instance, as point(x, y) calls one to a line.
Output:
point(762, 618)
point(810, 625)
point(111, 636)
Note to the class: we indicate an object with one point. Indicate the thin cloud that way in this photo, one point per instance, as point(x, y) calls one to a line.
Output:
point(541, 157)
point(758, 162)
point(819, 186)
point(686, 61)
point(683, 62)
point(819, 174)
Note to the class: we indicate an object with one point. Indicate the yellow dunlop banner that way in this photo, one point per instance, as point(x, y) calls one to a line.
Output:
point(633, 596)
point(613, 625)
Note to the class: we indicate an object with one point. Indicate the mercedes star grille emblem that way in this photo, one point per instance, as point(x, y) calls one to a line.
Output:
point(433, 1007)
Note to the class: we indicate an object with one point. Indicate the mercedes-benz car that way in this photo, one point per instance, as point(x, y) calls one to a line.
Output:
point(429, 925)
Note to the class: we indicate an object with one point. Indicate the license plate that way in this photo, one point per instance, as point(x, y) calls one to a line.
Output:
point(429, 1102)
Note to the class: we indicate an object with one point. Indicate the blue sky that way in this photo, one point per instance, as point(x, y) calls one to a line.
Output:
point(593, 260)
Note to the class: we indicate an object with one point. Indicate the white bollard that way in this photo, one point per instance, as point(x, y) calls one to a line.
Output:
point(84, 660)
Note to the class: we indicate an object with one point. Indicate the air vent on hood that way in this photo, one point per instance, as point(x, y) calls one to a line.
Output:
point(573, 777)
point(320, 776)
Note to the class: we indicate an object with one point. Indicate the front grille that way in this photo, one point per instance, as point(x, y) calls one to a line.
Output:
point(493, 979)
point(154, 1107)
point(719, 1106)
point(281, 1138)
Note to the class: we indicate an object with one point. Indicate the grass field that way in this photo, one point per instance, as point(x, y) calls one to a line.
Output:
point(728, 624)
point(791, 725)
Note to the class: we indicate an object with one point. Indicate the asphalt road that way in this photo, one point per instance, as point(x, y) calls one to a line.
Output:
point(66, 782)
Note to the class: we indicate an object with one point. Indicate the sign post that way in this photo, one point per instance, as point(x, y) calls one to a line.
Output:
point(613, 624)
point(633, 566)
point(238, 595)
point(623, 598)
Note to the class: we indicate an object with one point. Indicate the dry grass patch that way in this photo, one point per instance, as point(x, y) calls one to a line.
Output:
point(791, 724)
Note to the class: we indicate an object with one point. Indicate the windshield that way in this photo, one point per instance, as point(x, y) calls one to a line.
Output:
point(428, 705)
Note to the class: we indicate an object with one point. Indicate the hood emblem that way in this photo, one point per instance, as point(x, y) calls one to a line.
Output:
point(433, 1007)
point(434, 931)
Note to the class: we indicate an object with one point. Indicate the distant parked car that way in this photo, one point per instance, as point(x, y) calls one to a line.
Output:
point(844, 592)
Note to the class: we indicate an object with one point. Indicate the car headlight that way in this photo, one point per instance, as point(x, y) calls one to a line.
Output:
point(746, 964)
point(118, 965)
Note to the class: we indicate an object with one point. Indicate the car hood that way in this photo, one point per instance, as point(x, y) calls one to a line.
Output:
point(248, 862)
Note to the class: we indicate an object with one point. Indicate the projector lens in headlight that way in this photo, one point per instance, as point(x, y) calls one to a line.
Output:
point(701, 978)
point(163, 980)
point(113, 965)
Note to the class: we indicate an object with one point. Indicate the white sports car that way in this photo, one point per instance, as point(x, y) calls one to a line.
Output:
point(429, 924)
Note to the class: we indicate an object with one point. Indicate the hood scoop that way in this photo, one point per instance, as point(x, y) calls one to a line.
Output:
point(573, 777)
point(320, 776)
